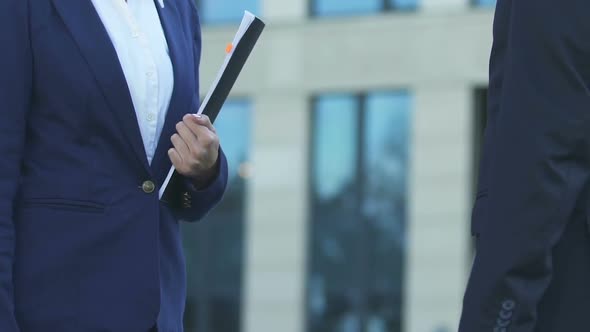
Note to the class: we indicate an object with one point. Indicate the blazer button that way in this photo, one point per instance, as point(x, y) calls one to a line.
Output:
point(148, 187)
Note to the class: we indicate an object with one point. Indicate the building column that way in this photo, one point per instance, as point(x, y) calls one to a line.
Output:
point(284, 11)
point(440, 204)
point(275, 263)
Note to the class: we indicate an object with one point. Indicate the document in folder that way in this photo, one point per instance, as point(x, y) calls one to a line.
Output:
point(237, 54)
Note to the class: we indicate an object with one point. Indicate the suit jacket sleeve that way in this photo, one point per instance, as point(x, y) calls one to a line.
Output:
point(538, 162)
point(15, 98)
point(497, 64)
point(193, 204)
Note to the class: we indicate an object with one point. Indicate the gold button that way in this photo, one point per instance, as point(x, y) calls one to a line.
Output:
point(148, 187)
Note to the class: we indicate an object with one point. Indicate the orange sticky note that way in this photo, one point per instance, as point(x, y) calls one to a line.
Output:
point(229, 48)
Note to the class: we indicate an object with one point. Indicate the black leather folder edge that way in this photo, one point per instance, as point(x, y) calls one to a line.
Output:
point(173, 194)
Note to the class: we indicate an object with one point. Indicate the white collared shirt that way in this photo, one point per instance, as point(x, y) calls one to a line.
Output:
point(138, 37)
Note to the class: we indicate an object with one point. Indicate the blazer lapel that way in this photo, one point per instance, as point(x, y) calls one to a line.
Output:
point(88, 31)
point(180, 103)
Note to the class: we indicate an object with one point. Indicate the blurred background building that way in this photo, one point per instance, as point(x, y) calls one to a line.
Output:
point(353, 137)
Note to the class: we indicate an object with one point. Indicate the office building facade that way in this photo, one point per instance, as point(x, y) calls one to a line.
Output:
point(352, 137)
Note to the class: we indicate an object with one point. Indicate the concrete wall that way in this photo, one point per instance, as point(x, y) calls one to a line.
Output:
point(440, 54)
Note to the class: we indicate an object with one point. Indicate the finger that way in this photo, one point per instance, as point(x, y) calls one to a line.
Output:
point(206, 138)
point(201, 132)
point(200, 119)
point(176, 159)
point(204, 120)
point(188, 136)
point(180, 147)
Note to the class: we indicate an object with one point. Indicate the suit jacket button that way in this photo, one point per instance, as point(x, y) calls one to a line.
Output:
point(148, 187)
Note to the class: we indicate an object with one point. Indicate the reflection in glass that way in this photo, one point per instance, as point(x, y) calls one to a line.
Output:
point(403, 4)
point(225, 11)
point(359, 7)
point(214, 247)
point(385, 173)
point(344, 7)
point(357, 230)
point(485, 3)
point(334, 207)
point(335, 152)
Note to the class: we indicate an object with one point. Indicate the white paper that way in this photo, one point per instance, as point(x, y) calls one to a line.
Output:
point(247, 21)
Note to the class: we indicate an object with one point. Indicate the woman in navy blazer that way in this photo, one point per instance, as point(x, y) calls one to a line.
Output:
point(85, 243)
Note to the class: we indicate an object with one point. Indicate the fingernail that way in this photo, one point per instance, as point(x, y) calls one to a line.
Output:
point(198, 116)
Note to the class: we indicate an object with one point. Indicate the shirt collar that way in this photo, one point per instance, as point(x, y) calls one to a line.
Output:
point(161, 2)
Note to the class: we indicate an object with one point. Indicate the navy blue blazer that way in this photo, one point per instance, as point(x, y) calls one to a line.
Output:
point(82, 246)
point(533, 250)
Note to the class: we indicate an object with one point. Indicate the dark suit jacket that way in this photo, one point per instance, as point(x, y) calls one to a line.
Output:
point(536, 164)
point(82, 246)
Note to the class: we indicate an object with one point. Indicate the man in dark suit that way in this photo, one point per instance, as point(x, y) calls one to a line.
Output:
point(95, 98)
point(532, 268)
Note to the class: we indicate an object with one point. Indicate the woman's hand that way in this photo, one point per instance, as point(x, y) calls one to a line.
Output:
point(196, 149)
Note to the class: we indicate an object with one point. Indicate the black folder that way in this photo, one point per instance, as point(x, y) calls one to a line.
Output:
point(238, 53)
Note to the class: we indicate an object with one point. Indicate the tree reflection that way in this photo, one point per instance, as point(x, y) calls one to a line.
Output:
point(358, 233)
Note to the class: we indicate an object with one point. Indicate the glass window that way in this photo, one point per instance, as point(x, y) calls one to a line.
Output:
point(225, 11)
point(335, 152)
point(335, 199)
point(484, 3)
point(403, 4)
point(358, 212)
point(385, 172)
point(356, 7)
point(339, 7)
point(214, 247)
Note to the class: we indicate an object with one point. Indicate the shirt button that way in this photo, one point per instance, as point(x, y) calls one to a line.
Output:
point(135, 34)
point(150, 73)
point(148, 187)
point(151, 117)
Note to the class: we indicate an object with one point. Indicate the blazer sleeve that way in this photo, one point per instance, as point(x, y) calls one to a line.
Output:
point(193, 204)
point(496, 77)
point(15, 99)
point(539, 163)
